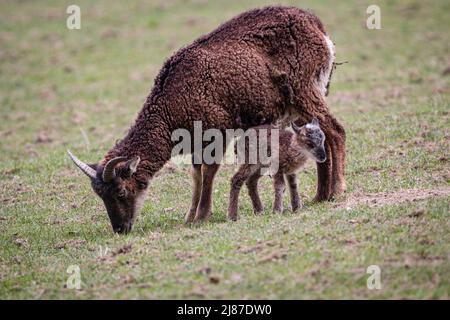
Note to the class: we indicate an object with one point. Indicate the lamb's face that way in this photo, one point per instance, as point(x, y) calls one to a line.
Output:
point(312, 138)
point(123, 198)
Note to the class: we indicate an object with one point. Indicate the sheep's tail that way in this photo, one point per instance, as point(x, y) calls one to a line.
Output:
point(324, 76)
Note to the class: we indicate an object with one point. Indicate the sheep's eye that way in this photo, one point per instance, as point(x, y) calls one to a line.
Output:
point(142, 185)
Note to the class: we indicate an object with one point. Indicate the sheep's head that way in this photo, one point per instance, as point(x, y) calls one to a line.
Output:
point(121, 191)
point(312, 138)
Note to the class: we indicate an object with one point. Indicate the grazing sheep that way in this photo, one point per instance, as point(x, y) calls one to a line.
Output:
point(261, 66)
point(294, 149)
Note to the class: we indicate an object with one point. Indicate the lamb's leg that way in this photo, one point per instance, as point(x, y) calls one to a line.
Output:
point(204, 207)
point(252, 186)
point(293, 190)
point(311, 107)
point(279, 187)
point(244, 172)
point(196, 191)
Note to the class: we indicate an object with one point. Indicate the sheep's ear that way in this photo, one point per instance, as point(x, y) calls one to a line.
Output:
point(315, 122)
point(131, 166)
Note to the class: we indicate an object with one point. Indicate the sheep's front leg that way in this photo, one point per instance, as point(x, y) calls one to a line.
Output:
point(204, 207)
point(293, 190)
point(196, 192)
point(252, 186)
point(279, 186)
point(244, 172)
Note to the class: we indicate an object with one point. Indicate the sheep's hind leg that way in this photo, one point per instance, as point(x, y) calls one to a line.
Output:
point(324, 176)
point(252, 186)
point(204, 207)
point(338, 154)
point(335, 164)
point(196, 192)
point(325, 169)
point(330, 174)
point(293, 190)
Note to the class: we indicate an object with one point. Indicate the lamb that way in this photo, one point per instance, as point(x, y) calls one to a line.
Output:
point(293, 151)
point(262, 66)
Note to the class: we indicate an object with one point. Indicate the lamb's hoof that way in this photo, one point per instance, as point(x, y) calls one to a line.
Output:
point(233, 216)
point(258, 211)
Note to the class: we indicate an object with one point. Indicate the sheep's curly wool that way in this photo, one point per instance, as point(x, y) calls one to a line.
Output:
point(258, 67)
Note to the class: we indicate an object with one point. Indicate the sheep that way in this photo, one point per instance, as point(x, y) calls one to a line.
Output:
point(262, 66)
point(293, 149)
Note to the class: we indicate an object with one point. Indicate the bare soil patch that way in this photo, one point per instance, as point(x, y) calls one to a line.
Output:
point(387, 198)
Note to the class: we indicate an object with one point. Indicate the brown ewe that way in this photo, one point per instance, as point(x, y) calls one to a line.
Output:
point(261, 66)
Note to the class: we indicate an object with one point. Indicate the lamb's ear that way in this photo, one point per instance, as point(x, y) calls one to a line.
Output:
point(315, 121)
point(297, 129)
point(131, 166)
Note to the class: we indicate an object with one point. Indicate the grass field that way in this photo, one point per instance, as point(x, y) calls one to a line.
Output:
point(81, 89)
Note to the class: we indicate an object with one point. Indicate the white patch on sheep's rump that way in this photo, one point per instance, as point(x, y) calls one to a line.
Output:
point(324, 77)
point(321, 85)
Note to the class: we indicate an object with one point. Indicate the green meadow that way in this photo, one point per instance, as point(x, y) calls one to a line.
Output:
point(82, 89)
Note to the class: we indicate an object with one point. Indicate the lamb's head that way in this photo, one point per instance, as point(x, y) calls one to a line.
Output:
point(312, 139)
point(120, 189)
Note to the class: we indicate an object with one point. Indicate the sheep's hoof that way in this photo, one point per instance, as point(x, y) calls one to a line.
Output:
point(201, 217)
point(296, 209)
point(320, 197)
point(189, 217)
point(258, 209)
point(338, 189)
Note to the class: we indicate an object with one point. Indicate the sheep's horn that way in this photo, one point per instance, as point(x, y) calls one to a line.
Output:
point(108, 172)
point(91, 173)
